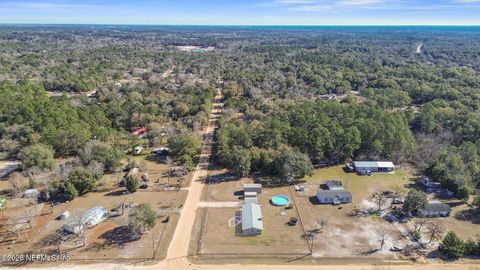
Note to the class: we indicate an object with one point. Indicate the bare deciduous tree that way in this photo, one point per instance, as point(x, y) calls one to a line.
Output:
point(19, 183)
point(28, 214)
point(96, 168)
point(78, 220)
point(419, 223)
point(382, 237)
point(380, 199)
point(435, 230)
point(311, 235)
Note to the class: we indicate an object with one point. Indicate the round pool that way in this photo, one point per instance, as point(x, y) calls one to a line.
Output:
point(279, 200)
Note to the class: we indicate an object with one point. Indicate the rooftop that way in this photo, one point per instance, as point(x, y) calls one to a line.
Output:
point(371, 164)
point(334, 185)
point(436, 206)
point(251, 216)
point(252, 185)
point(334, 193)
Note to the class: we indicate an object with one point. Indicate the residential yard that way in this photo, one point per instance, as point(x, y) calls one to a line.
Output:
point(223, 186)
point(218, 230)
point(344, 236)
point(108, 239)
point(464, 222)
point(362, 186)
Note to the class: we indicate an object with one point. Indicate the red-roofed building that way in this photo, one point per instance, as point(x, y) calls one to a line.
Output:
point(141, 132)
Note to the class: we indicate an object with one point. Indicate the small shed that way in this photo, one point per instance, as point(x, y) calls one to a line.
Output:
point(31, 194)
point(252, 188)
point(334, 185)
point(373, 166)
point(436, 209)
point(252, 223)
point(334, 196)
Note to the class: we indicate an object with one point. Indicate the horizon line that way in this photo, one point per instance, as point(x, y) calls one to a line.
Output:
point(236, 25)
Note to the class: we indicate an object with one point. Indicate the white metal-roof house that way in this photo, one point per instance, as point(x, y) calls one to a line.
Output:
point(334, 196)
point(373, 166)
point(252, 223)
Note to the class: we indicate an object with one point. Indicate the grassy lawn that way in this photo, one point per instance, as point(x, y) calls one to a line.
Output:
point(362, 186)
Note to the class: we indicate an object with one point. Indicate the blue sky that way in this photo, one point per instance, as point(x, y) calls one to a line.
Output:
point(244, 12)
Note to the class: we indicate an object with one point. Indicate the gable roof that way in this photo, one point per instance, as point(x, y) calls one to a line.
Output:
point(139, 131)
point(373, 164)
point(253, 185)
point(334, 193)
point(436, 207)
point(251, 216)
point(334, 185)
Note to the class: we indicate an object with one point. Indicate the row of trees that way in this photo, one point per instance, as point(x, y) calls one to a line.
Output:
point(309, 133)
point(457, 168)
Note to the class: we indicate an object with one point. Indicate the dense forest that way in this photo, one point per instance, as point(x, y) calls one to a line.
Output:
point(296, 97)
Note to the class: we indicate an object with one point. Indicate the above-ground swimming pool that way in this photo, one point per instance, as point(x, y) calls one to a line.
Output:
point(279, 200)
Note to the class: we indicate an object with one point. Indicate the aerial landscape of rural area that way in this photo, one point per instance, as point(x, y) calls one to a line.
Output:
point(257, 134)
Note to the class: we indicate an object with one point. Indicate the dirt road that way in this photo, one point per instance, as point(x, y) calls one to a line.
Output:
point(178, 250)
point(181, 239)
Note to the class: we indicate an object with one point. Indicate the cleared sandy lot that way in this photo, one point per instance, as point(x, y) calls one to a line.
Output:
point(107, 240)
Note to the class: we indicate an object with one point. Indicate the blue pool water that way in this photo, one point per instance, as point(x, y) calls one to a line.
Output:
point(280, 200)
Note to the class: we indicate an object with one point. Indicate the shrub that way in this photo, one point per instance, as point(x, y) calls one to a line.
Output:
point(37, 155)
point(141, 218)
point(452, 246)
point(82, 179)
point(131, 184)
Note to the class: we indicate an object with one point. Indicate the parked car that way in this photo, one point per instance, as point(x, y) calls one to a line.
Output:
point(365, 172)
point(396, 249)
point(397, 201)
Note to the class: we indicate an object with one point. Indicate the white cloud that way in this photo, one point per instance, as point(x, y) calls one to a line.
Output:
point(320, 5)
point(46, 6)
point(359, 2)
point(331, 5)
point(311, 8)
